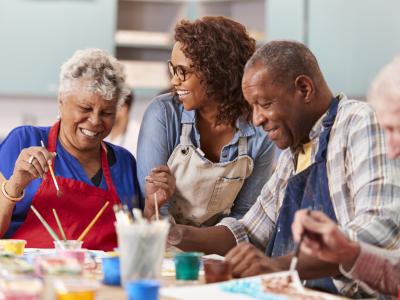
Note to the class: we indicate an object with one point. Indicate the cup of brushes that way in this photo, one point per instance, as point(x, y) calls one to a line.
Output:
point(141, 244)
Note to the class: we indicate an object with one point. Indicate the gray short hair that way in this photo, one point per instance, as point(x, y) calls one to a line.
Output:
point(286, 60)
point(104, 75)
point(385, 89)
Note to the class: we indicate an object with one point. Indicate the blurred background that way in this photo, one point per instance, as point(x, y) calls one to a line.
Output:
point(352, 40)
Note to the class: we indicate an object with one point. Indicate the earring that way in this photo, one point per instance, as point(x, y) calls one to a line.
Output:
point(58, 117)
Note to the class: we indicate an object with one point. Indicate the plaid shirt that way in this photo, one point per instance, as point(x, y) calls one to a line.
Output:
point(361, 178)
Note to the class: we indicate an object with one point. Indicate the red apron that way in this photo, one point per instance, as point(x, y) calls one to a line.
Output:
point(77, 206)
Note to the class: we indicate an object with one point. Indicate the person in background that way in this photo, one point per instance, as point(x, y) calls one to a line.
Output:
point(124, 128)
point(378, 268)
point(88, 171)
point(334, 159)
point(202, 130)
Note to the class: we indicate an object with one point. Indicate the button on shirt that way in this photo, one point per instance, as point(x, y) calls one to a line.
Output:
point(363, 182)
point(160, 132)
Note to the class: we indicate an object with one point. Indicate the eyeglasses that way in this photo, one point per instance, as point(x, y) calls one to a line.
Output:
point(181, 72)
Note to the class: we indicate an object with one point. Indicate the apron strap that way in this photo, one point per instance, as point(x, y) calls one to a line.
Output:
point(327, 124)
point(242, 148)
point(185, 136)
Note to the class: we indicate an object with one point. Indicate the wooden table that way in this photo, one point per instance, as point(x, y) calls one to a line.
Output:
point(118, 293)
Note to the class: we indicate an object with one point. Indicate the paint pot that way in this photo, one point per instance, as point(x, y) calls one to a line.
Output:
point(111, 270)
point(187, 265)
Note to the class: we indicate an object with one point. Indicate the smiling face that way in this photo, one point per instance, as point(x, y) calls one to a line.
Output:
point(86, 119)
point(191, 91)
point(279, 110)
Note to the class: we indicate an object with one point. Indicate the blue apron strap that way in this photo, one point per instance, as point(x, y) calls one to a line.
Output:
point(327, 123)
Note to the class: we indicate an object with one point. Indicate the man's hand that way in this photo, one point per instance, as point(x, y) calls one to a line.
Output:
point(160, 181)
point(323, 239)
point(247, 260)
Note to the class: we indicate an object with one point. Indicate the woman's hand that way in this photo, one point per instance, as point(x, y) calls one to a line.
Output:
point(32, 163)
point(160, 181)
point(324, 239)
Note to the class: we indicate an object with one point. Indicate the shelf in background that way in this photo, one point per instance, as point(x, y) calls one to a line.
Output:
point(143, 39)
point(146, 75)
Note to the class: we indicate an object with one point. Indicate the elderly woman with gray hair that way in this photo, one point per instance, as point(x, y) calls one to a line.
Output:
point(89, 172)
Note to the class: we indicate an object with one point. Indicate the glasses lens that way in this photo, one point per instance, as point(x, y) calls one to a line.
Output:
point(181, 73)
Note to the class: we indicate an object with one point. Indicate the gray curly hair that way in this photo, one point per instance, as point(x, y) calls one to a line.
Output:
point(384, 93)
point(104, 74)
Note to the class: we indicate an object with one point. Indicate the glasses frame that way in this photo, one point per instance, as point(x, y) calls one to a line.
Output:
point(174, 71)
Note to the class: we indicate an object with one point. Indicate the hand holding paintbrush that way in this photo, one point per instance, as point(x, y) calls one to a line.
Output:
point(160, 186)
point(323, 239)
point(52, 175)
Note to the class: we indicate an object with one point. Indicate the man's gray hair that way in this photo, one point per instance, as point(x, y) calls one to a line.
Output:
point(100, 71)
point(385, 89)
point(286, 60)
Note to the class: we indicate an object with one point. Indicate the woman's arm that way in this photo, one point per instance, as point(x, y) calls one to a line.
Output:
point(20, 162)
point(158, 135)
point(6, 208)
point(378, 268)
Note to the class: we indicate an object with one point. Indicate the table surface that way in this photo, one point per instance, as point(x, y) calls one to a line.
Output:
point(168, 280)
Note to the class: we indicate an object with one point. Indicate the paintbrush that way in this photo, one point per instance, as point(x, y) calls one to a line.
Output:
point(85, 232)
point(59, 225)
point(52, 175)
point(295, 258)
point(156, 206)
point(45, 224)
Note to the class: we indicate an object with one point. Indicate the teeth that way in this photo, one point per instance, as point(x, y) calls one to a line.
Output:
point(88, 132)
point(182, 93)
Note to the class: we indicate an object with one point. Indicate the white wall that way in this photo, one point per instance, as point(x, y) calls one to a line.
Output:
point(15, 111)
point(352, 39)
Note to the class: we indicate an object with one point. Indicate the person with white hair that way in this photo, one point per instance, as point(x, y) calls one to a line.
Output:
point(376, 267)
point(88, 171)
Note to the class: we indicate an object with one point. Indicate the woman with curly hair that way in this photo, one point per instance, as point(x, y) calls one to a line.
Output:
point(202, 131)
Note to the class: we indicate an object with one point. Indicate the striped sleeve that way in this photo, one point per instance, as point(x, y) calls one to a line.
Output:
point(378, 268)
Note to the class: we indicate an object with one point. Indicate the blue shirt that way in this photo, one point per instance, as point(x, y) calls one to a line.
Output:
point(160, 132)
point(123, 171)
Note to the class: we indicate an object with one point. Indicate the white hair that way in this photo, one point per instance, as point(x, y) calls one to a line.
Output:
point(100, 71)
point(384, 93)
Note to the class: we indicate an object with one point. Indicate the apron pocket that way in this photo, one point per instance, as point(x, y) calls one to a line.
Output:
point(224, 194)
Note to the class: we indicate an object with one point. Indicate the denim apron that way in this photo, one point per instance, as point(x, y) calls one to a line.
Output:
point(308, 189)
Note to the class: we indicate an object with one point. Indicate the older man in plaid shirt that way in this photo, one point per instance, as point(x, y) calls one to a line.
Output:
point(378, 268)
point(334, 161)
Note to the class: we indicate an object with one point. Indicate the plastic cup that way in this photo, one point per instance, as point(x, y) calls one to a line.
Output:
point(217, 270)
point(142, 289)
point(20, 288)
point(78, 254)
point(187, 265)
point(111, 271)
point(68, 244)
point(76, 289)
point(141, 246)
point(12, 246)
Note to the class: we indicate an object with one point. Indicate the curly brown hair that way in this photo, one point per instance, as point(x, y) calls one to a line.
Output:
point(219, 49)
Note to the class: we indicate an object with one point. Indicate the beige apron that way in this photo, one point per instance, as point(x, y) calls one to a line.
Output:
point(205, 190)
